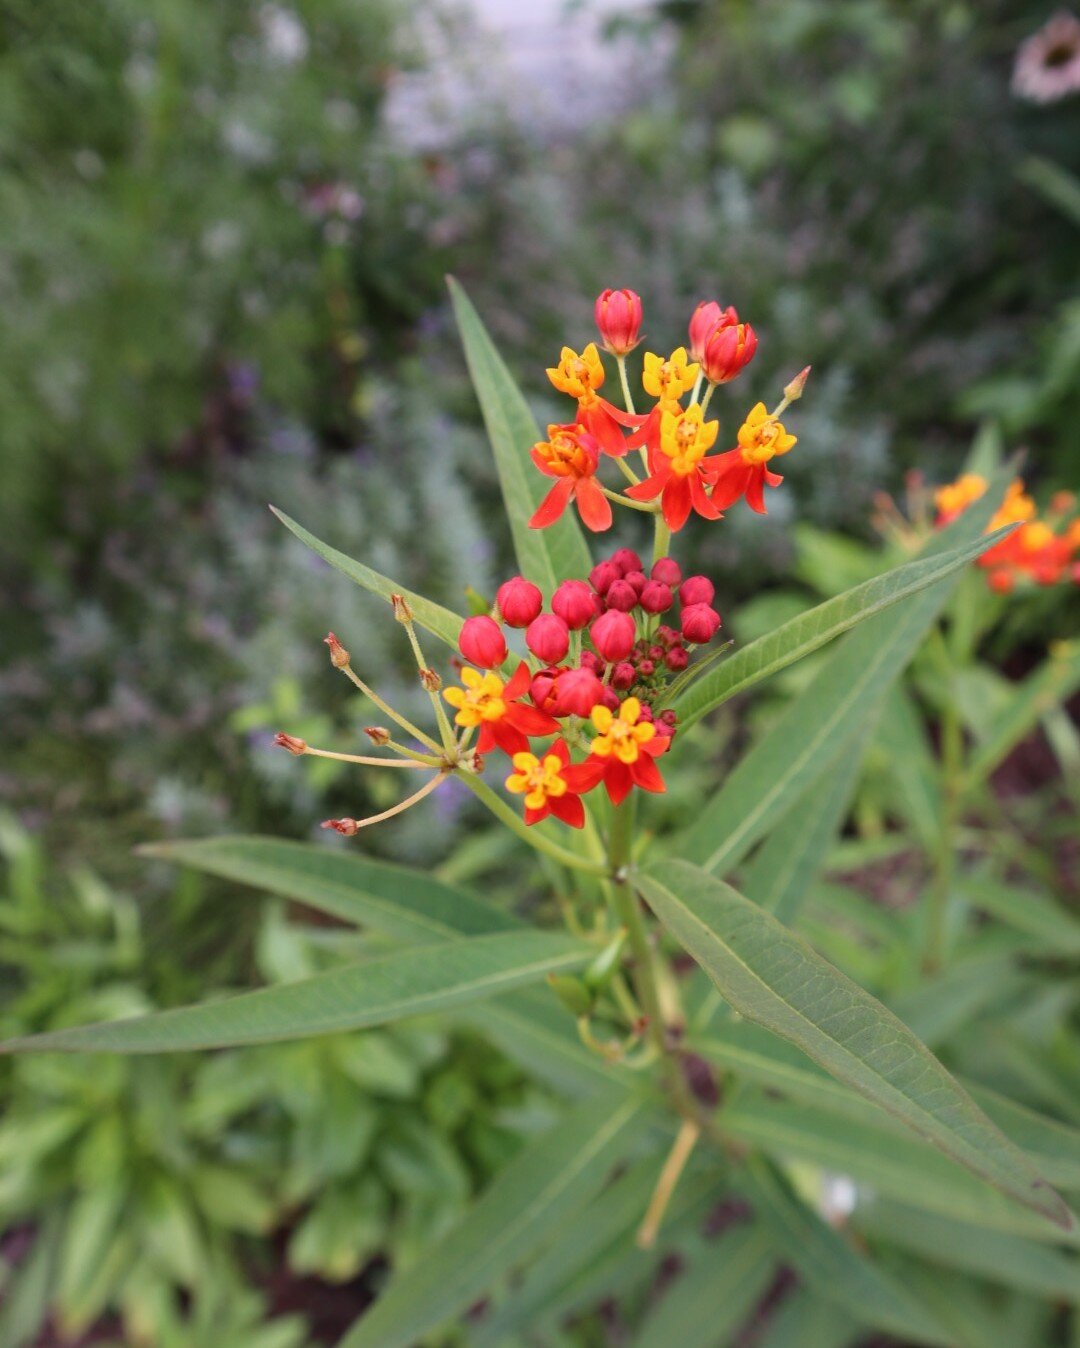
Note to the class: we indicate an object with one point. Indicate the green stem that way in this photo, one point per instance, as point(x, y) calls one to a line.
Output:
point(629, 401)
point(951, 779)
point(384, 706)
point(661, 539)
point(503, 812)
point(646, 506)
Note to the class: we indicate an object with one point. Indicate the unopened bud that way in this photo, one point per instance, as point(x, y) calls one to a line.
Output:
point(377, 734)
point(430, 680)
point(348, 828)
point(293, 743)
point(402, 611)
point(795, 388)
point(339, 656)
point(572, 992)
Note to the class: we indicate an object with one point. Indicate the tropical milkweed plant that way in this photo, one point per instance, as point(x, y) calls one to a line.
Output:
point(719, 1081)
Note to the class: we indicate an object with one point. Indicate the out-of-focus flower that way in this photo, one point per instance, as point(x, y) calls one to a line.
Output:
point(1047, 66)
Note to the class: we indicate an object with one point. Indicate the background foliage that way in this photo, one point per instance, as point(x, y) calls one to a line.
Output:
point(222, 285)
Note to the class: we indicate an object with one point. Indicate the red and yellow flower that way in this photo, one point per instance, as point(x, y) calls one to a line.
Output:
point(680, 472)
point(505, 721)
point(571, 455)
point(548, 786)
point(580, 376)
point(742, 471)
point(623, 753)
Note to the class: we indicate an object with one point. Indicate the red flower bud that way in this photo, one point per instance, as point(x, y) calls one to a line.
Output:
point(601, 576)
point(656, 597)
point(625, 559)
point(646, 712)
point(668, 571)
point(293, 743)
point(669, 717)
point(574, 603)
point(699, 623)
point(519, 601)
point(637, 579)
point(548, 637)
point(697, 590)
point(482, 643)
point(542, 689)
point(576, 692)
point(704, 321)
point(729, 349)
point(667, 636)
point(656, 653)
point(377, 734)
point(623, 676)
point(618, 316)
point(646, 669)
point(590, 660)
point(609, 698)
point(621, 596)
point(348, 828)
point(677, 658)
point(613, 635)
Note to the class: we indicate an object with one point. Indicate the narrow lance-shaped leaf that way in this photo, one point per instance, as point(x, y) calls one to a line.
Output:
point(545, 556)
point(532, 1199)
point(806, 633)
point(440, 622)
point(820, 725)
point(407, 904)
point(411, 982)
point(773, 977)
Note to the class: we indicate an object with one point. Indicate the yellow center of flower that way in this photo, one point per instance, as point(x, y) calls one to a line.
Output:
point(668, 379)
point(578, 375)
point(538, 780)
point(685, 438)
point(564, 455)
point(762, 436)
point(480, 700)
point(622, 735)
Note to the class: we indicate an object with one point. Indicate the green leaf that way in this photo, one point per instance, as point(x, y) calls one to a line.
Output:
point(412, 982)
point(831, 1267)
point(439, 621)
point(407, 904)
point(1026, 910)
point(773, 977)
point(819, 726)
point(545, 556)
point(532, 1199)
point(1038, 1269)
point(1056, 679)
point(709, 1300)
point(811, 630)
point(1053, 1146)
point(788, 862)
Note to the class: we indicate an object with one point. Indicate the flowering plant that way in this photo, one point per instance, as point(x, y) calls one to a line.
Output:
point(673, 998)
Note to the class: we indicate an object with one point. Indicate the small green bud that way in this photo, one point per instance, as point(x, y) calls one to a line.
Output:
point(600, 971)
point(572, 992)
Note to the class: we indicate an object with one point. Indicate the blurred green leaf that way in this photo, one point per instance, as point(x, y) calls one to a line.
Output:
point(531, 1200)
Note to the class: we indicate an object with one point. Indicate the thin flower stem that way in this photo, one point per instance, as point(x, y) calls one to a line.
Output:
point(707, 399)
point(647, 507)
point(627, 398)
point(502, 811)
point(394, 716)
point(628, 472)
point(661, 539)
point(369, 761)
point(407, 803)
point(445, 732)
point(697, 387)
point(685, 1141)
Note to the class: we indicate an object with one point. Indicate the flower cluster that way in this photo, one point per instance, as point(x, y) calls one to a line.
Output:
point(599, 654)
point(1041, 551)
point(586, 700)
point(681, 476)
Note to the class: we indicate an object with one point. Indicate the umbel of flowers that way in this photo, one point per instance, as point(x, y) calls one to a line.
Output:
point(583, 703)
